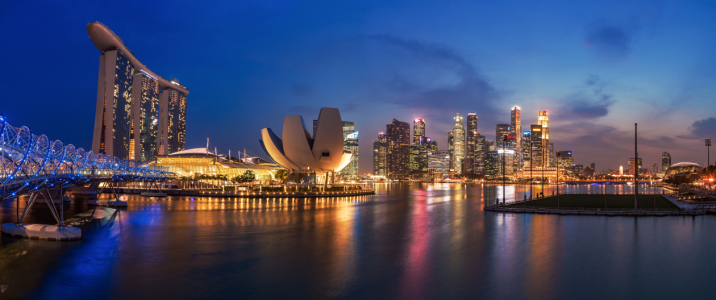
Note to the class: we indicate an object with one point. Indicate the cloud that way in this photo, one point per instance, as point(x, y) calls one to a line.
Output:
point(590, 102)
point(608, 41)
point(701, 129)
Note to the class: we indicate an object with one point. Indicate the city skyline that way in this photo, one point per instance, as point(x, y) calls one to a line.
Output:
point(596, 71)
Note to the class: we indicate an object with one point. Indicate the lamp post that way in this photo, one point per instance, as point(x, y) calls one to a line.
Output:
point(504, 141)
point(708, 154)
point(558, 156)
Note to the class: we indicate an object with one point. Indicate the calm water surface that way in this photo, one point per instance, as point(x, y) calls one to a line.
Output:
point(414, 242)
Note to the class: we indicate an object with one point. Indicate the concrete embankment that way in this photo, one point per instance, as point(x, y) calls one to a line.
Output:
point(218, 193)
point(625, 213)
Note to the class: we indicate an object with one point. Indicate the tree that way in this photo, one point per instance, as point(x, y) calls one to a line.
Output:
point(281, 174)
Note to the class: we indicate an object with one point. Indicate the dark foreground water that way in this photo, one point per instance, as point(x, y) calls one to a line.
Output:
point(413, 242)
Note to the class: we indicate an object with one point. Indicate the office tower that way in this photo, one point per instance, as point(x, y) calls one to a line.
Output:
point(550, 155)
point(418, 131)
point(380, 150)
point(439, 162)
point(492, 159)
point(470, 144)
point(632, 167)
point(565, 162)
point(508, 156)
point(578, 170)
point(398, 154)
point(537, 143)
point(516, 131)
point(480, 152)
point(593, 166)
point(458, 130)
point(543, 119)
point(419, 149)
point(432, 145)
point(500, 131)
point(665, 161)
point(350, 142)
point(130, 123)
point(526, 148)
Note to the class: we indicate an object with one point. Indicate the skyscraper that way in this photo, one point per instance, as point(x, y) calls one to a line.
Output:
point(632, 167)
point(481, 148)
point(543, 120)
point(350, 142)
point(451, 149)
point(526, 148)
point(665, 161)
point(398, 154)
point(130, 123)
point(471, 144)
point(419, 149)
point(458, 130)
point(536, 142)
point(380, 149)
point(565, 162)
point(516, 131)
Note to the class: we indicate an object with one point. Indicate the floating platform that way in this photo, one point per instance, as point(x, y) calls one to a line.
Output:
point(42, 231)
point(153, 194)
point(111, 203)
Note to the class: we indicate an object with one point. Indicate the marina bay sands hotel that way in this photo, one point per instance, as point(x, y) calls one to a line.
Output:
point(139, 114)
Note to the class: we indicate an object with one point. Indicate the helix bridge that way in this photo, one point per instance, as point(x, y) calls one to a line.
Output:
point(34, 165)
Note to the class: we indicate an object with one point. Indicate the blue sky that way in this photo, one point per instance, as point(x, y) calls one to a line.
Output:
point(597, 67)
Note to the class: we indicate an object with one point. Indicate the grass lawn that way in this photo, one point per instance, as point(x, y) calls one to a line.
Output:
point(592, 201)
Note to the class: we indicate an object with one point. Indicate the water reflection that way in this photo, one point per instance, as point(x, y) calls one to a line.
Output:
point(421, 241)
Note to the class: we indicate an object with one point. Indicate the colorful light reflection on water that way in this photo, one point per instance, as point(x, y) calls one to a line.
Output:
point(410, 241)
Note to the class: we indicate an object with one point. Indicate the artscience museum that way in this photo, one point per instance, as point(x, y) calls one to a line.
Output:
point(300, 153)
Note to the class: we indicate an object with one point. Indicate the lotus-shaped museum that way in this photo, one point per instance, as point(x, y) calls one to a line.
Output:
point(300, 153)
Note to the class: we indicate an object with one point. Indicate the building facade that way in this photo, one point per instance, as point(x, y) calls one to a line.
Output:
point(458, 130)
point(565, 162)
point(536, 143)
point(632, 167)
point(543, 120)
point(516, 131)
point(380, 150)
point(470, 164)
point(350, 142)
point(136, 108)
point(398, 152)
point(665, 161)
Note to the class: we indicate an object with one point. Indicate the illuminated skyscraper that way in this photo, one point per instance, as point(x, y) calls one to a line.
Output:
point(481, 148)
point(543, 120)
point(380, 149)
point(516, 131)
point(565, 162)
point(350, 142)
point(458, 130)
point(633, 168)
point(665, 161)
point(451, 149)
point(526, 149)
point(537, 146)
point(398, 154)
point(134, 118)
point(418, 130)
point(471, 144)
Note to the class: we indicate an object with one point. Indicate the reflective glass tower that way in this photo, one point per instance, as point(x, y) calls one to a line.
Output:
point(471, 144)
point(458, 131)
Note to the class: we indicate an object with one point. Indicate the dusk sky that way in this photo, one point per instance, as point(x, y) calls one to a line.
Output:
point(597, 67)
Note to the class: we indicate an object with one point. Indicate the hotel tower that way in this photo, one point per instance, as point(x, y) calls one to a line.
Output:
point(139, 114)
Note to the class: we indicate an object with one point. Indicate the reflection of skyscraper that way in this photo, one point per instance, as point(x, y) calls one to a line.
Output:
point(398, 154)
point(516, 131)
point(380, 149)
point(665, 161)
point(458, 142)
point(470, 144)
point(139, 114)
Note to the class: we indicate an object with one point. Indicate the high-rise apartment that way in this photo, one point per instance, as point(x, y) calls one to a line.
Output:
point(380, 150)
point(665, 161)
point(398, 154)
point(458, 130)
point(139, 114)
point(471, 144)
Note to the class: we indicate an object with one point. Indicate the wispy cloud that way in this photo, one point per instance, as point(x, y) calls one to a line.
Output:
point(590, 102)
point(610, 42)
